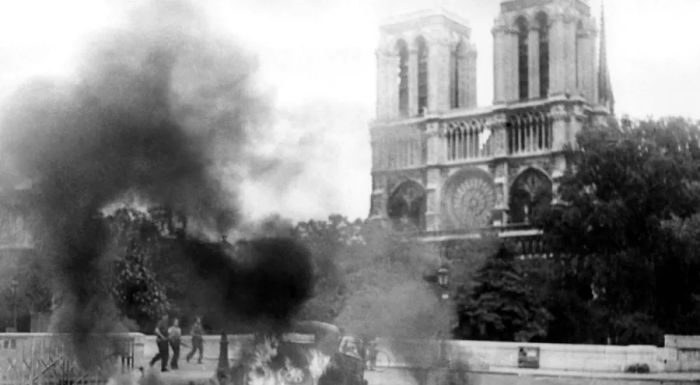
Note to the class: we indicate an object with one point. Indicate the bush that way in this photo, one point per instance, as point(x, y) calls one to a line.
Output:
point(637, 368)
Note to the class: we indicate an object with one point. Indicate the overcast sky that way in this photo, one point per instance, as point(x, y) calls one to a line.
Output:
point(317, 59)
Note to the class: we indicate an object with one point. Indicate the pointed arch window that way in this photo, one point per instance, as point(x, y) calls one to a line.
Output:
point(543, 42)
point(523, 70)
point(422, 74)
point(457, 75)
point(579, 35)
point(402, 52)
point(530, 194)
point(406, 206)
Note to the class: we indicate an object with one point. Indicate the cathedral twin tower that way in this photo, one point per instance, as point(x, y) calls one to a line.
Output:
point(445, 168)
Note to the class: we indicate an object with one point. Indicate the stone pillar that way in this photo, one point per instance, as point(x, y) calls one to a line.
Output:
point(379, 197)
point(436, 155)
point(578, 119)
point(471, 79)
point(499, 69)
point(587, 64)
point(436, 151)
point(387, 85)
point(557, 62)
point(139, 341)
point(500, 168)
point(439, 75)
point(557, 173)
point(376, 159)
point(580, 61)
point(499, 140)
point(569, 54)
point(511, 64)
point(378, 203)
point(533, 64)
point(560, 129)
point(467, 79)
point(433, 202)
point(500, 183)
point(381, 107)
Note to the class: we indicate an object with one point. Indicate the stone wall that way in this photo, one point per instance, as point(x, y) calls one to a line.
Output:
point(484, 355)
point(681, 354)
point(497, 356)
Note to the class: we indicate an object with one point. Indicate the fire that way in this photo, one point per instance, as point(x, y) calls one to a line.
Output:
point(272, 364)
point(318, 364)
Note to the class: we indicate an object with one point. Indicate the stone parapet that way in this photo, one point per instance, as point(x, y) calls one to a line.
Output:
point(503, 356)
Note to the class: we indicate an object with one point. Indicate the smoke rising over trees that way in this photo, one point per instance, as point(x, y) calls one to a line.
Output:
point(161, 113)
point(371, 280)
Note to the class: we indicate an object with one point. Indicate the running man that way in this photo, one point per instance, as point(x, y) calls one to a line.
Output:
point(161, 332)
point(197, 333)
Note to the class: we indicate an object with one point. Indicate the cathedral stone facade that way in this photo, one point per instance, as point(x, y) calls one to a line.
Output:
point(446, 168)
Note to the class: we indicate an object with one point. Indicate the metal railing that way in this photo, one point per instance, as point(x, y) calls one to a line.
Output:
point(45, 358)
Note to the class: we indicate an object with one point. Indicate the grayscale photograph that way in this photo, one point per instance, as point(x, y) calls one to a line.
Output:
point(368, 192)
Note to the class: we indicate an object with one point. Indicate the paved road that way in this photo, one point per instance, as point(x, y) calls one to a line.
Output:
point(200, 374)
point(187, 373)
point(404, 377)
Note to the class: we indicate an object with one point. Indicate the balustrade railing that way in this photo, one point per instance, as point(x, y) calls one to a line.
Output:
point(467, 139)
point(45, 358)
point(529, 132)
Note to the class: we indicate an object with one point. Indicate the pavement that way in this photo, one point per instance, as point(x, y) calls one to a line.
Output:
point(514, 376)
point(193, 373)
point(188, 373)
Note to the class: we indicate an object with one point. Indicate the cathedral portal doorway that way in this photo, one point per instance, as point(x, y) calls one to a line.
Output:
point(530, 193)
point(406, 206)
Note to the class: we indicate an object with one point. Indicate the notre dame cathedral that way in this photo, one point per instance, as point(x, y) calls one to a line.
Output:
point(447, 169)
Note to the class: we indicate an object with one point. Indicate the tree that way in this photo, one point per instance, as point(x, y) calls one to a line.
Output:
point(370, 280)
point(32, 293)
point(503, 306)
point(138, 291)
point(613, 252)
point(387, 293)
point(386, 290)
point(327, 240)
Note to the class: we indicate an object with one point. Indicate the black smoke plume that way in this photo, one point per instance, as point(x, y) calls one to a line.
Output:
point(254, 285)
point(160, 111)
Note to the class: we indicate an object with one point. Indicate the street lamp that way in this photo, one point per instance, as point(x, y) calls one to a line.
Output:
point(13, 288)
point(443, 276)
point(443, 280)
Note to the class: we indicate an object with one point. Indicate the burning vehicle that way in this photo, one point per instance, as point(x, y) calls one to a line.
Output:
point(309, 353)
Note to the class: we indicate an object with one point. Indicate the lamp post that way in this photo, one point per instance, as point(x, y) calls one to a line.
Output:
point(443, 280)
point(443, 276)
point(13, 288)
point(222, 369)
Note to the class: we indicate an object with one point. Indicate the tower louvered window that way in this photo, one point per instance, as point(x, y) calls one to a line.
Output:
point(543, 24)
point(523, 69)
point(422, 75)
point(402, 51)
point(456, 63)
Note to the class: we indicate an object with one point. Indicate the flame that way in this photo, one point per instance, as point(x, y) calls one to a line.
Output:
point(260, 371)
point(318, 363)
